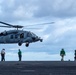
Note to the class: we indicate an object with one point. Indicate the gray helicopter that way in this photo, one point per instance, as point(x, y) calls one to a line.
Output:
point(17, 36)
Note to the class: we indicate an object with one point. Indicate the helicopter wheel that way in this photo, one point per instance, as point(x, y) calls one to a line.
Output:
point(19, 44)
point(27, 44)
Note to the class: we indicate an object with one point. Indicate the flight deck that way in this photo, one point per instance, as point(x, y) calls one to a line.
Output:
point(38, 68)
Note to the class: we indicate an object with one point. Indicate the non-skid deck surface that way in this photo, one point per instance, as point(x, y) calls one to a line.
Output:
point(38, 68)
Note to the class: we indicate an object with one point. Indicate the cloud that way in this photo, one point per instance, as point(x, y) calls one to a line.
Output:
point(56, 8)
point(60, 35)
point(18, 10)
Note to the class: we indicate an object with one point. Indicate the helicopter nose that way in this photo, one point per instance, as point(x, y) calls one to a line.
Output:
point(40, 39)
point(37, 39)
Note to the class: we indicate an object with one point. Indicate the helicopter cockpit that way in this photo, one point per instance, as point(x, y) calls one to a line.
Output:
point(32, 34)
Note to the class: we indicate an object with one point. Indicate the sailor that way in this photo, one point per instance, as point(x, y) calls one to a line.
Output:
point(62, 54)
point(19, 54)
point(3, 54)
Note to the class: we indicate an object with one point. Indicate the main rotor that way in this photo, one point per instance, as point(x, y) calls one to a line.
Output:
point(10, 25)
point(7, 25)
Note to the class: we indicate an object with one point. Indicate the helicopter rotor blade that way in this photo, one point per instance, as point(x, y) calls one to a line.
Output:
point(41, 24)
point(6, 26)
point(32, 28)
point(6, 23)
point(19, 26)
point(10, 25)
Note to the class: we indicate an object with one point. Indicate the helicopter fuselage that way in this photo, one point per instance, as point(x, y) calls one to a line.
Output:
point(18, 36)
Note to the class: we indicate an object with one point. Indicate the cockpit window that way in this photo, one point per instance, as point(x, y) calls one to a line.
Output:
point(33, 34)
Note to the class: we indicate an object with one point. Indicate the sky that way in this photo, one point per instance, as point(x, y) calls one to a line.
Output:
point(60, 34)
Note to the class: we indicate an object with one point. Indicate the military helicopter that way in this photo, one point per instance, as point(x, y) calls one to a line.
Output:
point(18, 36)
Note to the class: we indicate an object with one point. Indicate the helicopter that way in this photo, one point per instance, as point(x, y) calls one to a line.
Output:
point(18, 36)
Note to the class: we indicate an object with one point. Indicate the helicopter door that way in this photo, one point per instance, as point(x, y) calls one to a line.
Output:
point(21, 35)
point(11, 38)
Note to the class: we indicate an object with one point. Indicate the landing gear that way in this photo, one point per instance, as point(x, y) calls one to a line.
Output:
point(19, 44)
point(27, 44)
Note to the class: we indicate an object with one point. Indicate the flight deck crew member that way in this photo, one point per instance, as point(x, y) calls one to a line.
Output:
point(62, 54)
point(3, 55)
point(75, 55)
point(19, 54)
